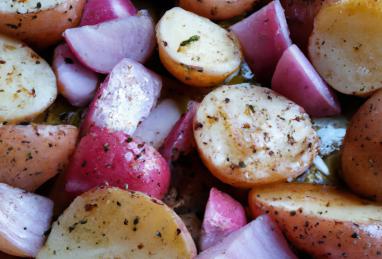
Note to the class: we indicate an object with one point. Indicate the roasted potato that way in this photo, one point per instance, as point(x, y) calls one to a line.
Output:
point(114, 223)
point(39, 23)
point(323, 221)
point(361, 158)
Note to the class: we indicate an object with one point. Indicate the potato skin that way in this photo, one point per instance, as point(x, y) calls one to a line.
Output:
point(43, 28)
point(218, 9)
point(362, 150)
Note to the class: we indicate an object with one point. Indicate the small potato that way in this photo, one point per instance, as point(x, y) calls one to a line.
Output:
point(249, 135)
point(345, 45)
point(114, 223)
point(39, 23)
point(218, 9)
point(361, 157)
point(323, 221)
point(27, 83)
point(195, 50)
point(31, 155)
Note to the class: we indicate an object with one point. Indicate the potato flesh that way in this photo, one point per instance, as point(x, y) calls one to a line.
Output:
point(27, 83)
point(345, 46)
point(28, 6)
point(248, 135)
point(113, 223)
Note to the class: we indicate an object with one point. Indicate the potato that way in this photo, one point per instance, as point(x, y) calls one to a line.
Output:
point(249, 135)
point(195, 50)
point(218, 9)
point(39, 23)
point(31, 155)
point(361, 157)
point(27, 83)
point(345, 45)
point(114, 223)
point(323, 221)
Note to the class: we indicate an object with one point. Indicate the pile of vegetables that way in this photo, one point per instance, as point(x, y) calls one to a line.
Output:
point(190, 129)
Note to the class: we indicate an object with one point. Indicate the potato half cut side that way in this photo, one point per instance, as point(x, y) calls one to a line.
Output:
point(345, 46)
point(115, 223)
point(27, 83)
point(323, 221)
point(249, 135)
point(195, 50)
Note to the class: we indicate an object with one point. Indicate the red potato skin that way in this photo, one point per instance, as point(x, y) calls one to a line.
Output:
point(296, 79)
point(180, 140)
point(97, 11)
point(263, 36)
point(115, 159)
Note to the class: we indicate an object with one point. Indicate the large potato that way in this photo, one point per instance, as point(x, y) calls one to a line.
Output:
point(114, 223)
point(249, 135)
point(40, 23)
point(27, 83)
point(345, 45)
point(362, 150)
point(322, 221)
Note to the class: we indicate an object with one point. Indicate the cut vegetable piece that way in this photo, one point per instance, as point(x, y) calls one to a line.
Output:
point(39, 23)
point(154, 129)
point(223, 216)
point(321, 220)
point(263, 37)
point(345, 45)
point(114, 223)
point(261, 238)
point(27, 83)
point(105, 158)
point(124, 99)
point(180, 140)
point(97, 11)
point(195, 50)
point(296, 79)
point(75, 82)
point(249, 135)
point(31, 155)
point(24, 219)
point(101, 47)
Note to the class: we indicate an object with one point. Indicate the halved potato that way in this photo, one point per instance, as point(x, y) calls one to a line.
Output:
point(115, 223)
point(345, 46)
point(195, 50)
point(27, 83)
point(40, 23)
point(323, 221)
point(249, 135)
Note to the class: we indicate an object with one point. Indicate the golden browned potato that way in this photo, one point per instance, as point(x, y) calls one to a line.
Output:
point(362, 150)
point(218, 9)
point(323, 221)
point(39, 23)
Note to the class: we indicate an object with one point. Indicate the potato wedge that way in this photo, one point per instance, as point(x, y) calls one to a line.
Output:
point(195, 50)
point(31, 155)
point(40, 23)
point(345, 45)
point(27, 83)
point(323, 221)
point(114, 223)
point(249, 135)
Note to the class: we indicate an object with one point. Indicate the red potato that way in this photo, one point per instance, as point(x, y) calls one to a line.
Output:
point(261, 238)
point(75, 82)
point(296, 79)
point(115, 159)
point(24, 218)
point(223, 216)
point(263, 37)
point(101, 47)
point(97, 11)
point(126, 97)
point(180, 140)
